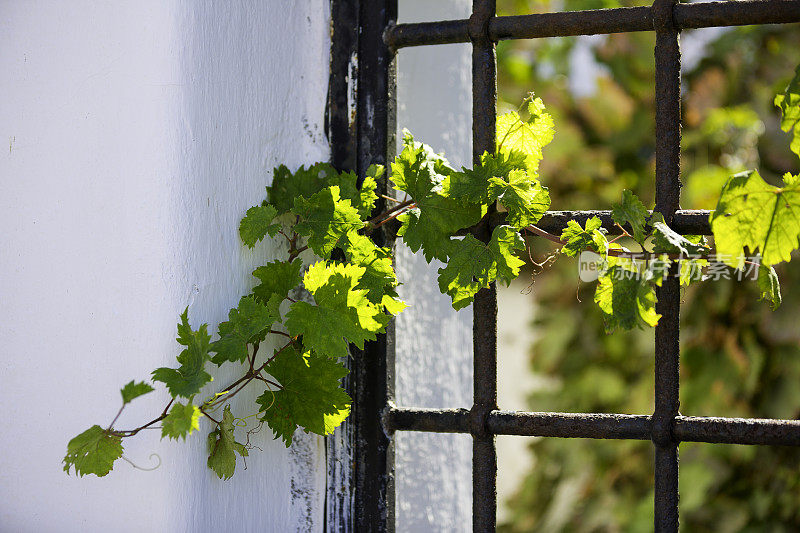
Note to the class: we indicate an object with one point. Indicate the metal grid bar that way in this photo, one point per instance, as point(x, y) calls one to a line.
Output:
point(360, 137)
point(684, 221)
point(597, 21)
point(668, 305)
point(373, 368)
point(666, 428)
point(599, 426)
point(484, 309)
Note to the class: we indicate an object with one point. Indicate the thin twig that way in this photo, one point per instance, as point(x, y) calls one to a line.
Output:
point(111, 425)
point(385, 197)
point(401, 205)
point(384, 221)
point(294, 253)
point(209, 416)
point(269, 381)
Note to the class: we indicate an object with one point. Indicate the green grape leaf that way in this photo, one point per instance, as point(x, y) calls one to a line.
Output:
point(287, 186)
point(277, 278)
point(181, 421)
point(325, 219)
point(93, 452)
point(789, 104)
point(525, 199)
point(133, 390)
point(247, 323)
point(627, 299)
point(691, 269)
point(392, 304)
point(222, 447)
point(473, 265)
point(375, 172)
point(474, 184)
point(757, 215)
point(528, 137)
point(362, 199)
point(590, 237)
point(504, 241)
point(666, 240)
point(418, 170)
point(187, 380)
point(631, 211)
point(257, 223)
point(379, 273)
point(431, 224)
point(769, 286)
point(343, 313)
point(311, 395)
point(425, 176)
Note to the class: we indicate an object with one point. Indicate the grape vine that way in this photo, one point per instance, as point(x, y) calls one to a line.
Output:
point(336, 287)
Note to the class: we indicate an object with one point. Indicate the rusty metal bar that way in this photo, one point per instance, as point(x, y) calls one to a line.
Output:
point(617, 20)
point(484, 309)
point(372, 374)
point(666, 427)
point(597, 21)
point(737, 430)
point(427, 33)
point(427, 420)
point(685, 221)
point(571, 425)
point(741, 13)
point(667, 334)
point(598, 426)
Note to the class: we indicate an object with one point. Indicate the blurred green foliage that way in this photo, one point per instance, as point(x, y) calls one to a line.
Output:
point(738, 358)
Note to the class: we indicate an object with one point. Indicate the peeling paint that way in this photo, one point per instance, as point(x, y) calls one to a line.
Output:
point(352, 95)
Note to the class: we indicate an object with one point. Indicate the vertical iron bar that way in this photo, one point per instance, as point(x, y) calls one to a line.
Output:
point(373, 368)
point(339, 118)
point(484, 321)
point(667, 348)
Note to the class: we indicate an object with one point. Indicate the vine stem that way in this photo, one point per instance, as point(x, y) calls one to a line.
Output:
point(243, 381)
point(378, 220)
point(268, 381)
point(395, 200)
point(111, 425)
point(387, 219)
point(132, 432)
point(246, 379)
point(611, 252)
point(297, 251)
point(209, 416)
point(542, 233)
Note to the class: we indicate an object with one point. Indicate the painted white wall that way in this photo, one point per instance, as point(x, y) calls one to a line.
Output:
point(434, 343)
point(138, 133)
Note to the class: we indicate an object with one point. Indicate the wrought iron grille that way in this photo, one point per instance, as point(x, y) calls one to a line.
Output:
point(366, 29)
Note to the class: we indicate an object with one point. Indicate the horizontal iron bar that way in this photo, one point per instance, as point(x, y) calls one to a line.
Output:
point(737, 430)
point(741, 13)
point(598, 426)
point(590, 22)
point(593, 426)
point(597, 21)
point(685, 222)
point(431, 420)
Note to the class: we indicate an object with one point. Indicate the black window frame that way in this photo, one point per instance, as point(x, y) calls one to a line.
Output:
point(365, 40)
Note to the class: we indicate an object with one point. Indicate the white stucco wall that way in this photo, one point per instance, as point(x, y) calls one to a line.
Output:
point(434, 343)
point(137, 134)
